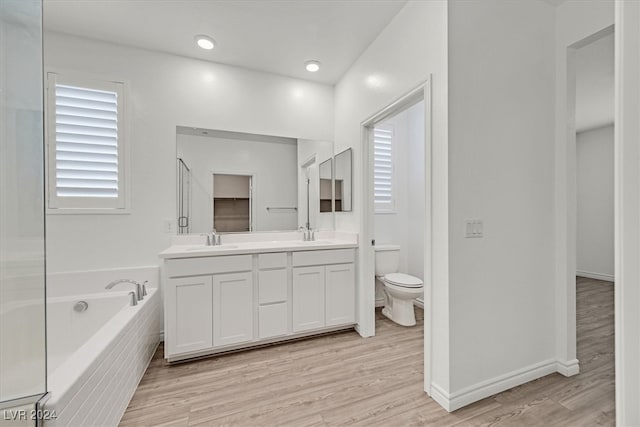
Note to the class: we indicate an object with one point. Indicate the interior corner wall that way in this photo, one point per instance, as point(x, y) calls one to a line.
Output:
point(165, 91)
point(501, 157)
point(412, 49)
point(595, 172)
point(576, 20)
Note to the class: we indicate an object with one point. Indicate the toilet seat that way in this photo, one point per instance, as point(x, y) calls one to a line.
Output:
point(403, 280)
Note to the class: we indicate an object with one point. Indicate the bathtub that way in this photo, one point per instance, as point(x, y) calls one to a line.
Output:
point(97, 357)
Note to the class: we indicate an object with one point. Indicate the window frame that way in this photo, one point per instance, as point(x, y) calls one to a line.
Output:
point(86, 205)
point(387, 208)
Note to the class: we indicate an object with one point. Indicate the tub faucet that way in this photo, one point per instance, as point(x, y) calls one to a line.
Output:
point(134, 299)
point(132, 282)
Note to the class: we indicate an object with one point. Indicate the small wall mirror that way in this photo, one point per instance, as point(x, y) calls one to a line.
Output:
point(343, 182)
point(326, 196)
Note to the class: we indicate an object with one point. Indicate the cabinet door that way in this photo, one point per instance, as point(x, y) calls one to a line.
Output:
point(232, 308)
point(308, 298)
point(273, 320)
point(189, 314)
point(340, 294)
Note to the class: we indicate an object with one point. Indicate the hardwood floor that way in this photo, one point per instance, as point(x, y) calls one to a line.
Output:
point(343, 379)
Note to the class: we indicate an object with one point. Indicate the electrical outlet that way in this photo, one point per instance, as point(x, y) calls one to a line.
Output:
point(169, 226)
point(473, 228)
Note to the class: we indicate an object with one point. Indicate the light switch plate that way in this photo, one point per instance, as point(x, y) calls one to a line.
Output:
point(473, 228)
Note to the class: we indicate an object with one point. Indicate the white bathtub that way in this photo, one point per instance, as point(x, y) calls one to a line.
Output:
point(96, 358)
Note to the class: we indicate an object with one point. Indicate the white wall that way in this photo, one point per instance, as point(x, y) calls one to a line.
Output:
point(595, 253)
point(501, 156)
point(273, 166)
point(411, 50)
point(166, 91)
point(417, 181)
point(576, 21)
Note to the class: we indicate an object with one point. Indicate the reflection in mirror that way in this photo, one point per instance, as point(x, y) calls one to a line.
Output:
point(239, 182)
point(343, 181)
point(326, 196)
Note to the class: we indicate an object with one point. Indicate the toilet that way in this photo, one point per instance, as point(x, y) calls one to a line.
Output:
point(400, 289)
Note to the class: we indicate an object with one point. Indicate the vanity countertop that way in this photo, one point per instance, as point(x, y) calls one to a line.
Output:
point(178, 250)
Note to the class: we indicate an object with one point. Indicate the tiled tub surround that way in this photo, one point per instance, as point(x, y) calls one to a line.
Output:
point(255, 289)
point(97, 357)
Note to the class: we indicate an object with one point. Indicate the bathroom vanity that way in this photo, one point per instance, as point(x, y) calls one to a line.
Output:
point(250, 291)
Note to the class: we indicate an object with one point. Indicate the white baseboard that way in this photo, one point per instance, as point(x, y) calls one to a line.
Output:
point(568, 368)
point(484, 389)
point(596, 276)
point(441, 396)
point(418, 302)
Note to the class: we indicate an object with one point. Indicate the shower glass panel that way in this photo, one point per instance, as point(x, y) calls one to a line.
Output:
point(22, 261)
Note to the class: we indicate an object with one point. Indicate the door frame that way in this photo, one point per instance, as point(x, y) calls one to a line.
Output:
point(420, 93)
point(252, 193)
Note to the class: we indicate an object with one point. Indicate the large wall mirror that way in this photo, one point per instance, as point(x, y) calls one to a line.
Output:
point(343, 181)
point(241, 182)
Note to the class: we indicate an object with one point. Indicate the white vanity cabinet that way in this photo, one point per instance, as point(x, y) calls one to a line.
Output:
point(189, 314)
point(232, 308)
point(273, 295)
point(218, 303)
point(323, 289)
point(308, 298)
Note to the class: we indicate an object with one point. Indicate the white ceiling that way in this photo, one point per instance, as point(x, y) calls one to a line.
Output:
point(276, 36)
point(595, 96)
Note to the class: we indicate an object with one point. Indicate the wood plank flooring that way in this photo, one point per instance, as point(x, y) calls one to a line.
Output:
point(342, 379)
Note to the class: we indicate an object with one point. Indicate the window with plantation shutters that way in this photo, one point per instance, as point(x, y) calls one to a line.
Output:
point(383, 169)
point(85, 129)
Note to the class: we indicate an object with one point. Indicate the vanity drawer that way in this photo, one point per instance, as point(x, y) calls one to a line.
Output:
point(208, 265)
point(273, 320)
point(331, 256)
point(277, 260)
point(272, 286)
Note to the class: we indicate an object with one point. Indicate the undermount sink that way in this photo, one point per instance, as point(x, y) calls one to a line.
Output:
point(207, 248)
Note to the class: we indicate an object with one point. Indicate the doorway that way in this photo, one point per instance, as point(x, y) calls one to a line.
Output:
point(586, 260)
point(232, 202)
point(419, 96)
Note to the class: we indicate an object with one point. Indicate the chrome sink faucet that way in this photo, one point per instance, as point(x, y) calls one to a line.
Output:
point(138, 286)
point(308, 235)
point(213, 238)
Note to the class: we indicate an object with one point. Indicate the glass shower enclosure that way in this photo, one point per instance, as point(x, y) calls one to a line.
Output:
point(22, 245)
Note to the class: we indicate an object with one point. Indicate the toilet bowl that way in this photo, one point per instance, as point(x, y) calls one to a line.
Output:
point(400, 289)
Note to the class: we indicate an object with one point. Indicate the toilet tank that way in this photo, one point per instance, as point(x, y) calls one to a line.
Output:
point(387, 259)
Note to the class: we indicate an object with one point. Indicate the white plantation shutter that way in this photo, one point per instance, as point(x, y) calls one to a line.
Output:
point(85, 144)
point(383, 171)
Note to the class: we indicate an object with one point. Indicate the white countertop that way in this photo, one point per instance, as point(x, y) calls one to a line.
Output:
point(245, 244)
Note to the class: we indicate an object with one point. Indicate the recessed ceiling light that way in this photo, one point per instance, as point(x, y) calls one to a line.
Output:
point(205, 42)
point(312, 66)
